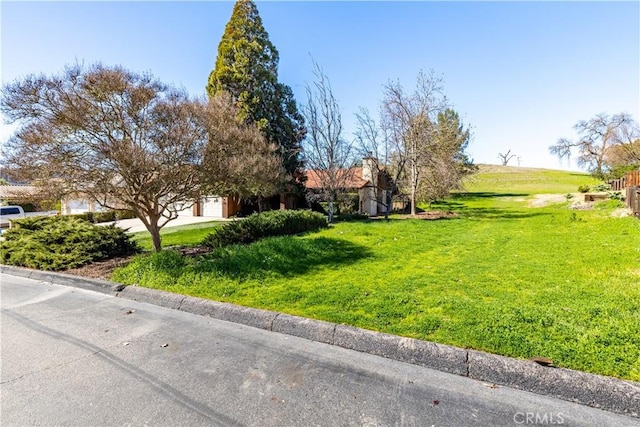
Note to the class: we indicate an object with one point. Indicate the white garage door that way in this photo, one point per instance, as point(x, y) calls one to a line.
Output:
point(186, 211)
point(212, 206)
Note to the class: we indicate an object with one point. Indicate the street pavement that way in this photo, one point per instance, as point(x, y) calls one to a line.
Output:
point(82, 358)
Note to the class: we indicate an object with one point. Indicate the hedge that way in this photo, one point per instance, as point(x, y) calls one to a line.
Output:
point(61, 242)
point(260, 225)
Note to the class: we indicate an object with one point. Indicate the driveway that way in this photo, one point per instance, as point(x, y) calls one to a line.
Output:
point(134, 225)
point(77, 357)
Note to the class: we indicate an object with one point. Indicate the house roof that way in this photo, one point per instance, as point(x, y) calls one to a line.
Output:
point(18, 191)
point(351, 177)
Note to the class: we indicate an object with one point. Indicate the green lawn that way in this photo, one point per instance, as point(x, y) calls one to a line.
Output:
point(503, 277)
point(182, 235)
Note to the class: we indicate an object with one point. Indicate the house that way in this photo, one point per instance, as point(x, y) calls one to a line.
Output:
point(214, 207)
point(210, 206)
point(19, 194)
point(371, 184)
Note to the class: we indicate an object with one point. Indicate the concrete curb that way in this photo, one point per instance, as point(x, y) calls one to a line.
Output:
point(103, 286)
point(597, 391)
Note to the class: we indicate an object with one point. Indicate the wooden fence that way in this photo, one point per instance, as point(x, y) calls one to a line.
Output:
point(632, 179)
point(633, 200)
point(630, 183)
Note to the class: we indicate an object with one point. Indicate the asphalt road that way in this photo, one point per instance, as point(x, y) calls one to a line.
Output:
point(76, 357)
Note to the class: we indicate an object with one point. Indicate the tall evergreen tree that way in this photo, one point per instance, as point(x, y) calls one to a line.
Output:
point(247, 67)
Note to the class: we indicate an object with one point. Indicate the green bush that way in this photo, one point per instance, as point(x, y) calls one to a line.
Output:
point(602, 187)
point(267, 224)
point(616, 195)
point(62, 242)
point(584, 189)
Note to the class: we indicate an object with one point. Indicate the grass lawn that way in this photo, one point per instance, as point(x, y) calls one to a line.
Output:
point(504, 277)
point(182, 235)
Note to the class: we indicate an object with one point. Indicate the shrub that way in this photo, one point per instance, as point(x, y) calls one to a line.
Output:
point(602, 187)
point(267, 224)
point(616, 195)
point(62, 242)
point(584, 189)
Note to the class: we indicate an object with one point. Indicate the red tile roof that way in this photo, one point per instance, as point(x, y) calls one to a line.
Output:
point(352, 178)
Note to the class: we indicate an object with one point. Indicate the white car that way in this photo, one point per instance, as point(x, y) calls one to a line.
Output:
point(7, 213)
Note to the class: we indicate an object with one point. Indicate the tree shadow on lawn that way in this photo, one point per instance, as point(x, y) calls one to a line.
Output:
point(283, 256)
point(497, 213)
point(474, 196)
point(472, 212)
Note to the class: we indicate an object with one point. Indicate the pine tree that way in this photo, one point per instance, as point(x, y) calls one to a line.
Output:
point(247, 67)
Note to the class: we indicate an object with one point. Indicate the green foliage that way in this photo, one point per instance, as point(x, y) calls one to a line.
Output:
point(247, 67)
point(568, 196)
point(61, 242)
point(583, 189)
point(260, 225)
point(602, 187)
point(268, 258)
point(615, 195)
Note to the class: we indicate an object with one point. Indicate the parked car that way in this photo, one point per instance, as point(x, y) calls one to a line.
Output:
point(7, 213)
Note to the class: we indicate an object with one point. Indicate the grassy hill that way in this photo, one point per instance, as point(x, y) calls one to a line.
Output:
point(512, 179)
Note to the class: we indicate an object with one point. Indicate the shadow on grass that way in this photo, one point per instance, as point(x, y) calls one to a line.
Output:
point(283, 256)
point(497, 213)
point(458, 204)
point(485, 195)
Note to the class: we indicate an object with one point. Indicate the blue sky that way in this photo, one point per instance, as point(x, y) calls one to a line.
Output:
point(520, 73)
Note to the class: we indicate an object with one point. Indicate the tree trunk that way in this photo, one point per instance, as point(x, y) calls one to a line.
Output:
point(330, 211)
point(387, 208)
point(155, 238)
point(154, 230)
point(414, 186)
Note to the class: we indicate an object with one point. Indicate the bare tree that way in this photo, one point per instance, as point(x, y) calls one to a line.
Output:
point(506, 157)
point(326, 152)
point(409, 120)
point(128, 141)
point(595, 138)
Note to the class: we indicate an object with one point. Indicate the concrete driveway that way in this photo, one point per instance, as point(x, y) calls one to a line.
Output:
point(134, 225)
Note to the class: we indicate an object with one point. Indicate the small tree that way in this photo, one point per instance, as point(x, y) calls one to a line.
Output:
point(449, 163)
point(409, 120)
point(127, 140)
point(326, 152)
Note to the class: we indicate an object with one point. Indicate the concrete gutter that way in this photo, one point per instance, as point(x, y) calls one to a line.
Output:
point(597, 391)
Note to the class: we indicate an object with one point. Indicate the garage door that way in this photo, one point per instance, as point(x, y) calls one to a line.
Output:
point(212, 206)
